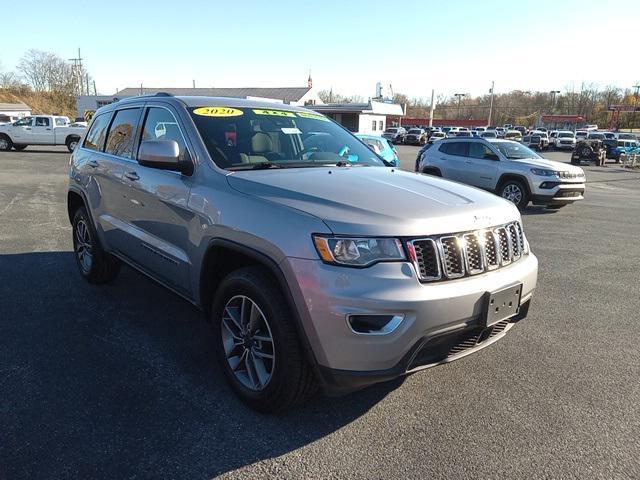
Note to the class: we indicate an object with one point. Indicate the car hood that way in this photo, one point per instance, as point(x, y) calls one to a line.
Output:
point(376, 200)
point(549, 164)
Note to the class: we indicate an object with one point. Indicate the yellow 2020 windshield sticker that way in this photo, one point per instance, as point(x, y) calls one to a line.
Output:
point(274, 113)
point(218, 112)
point(313, 116)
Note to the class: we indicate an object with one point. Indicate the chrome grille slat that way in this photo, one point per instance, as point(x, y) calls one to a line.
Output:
point(473, 253)
point(448, 257)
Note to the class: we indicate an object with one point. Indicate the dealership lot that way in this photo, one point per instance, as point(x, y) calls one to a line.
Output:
point(120, 381)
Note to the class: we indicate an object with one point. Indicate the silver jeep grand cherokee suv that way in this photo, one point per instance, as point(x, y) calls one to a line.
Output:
point(316, 263)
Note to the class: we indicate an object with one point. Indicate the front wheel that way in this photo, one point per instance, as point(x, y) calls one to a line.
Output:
point(19, 148)
point(257, 344)
point(95, 265)
point(515, 192)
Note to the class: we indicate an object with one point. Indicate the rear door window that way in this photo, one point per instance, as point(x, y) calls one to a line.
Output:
point(459, 149)
point(122, 133)
point(97, 132)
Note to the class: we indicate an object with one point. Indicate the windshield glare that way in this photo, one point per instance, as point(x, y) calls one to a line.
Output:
point(246, 138)
point(515, 151)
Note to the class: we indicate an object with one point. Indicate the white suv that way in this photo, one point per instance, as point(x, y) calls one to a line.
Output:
point(507, 168)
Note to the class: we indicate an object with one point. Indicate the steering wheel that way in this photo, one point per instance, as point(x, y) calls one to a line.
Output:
point(307, 150)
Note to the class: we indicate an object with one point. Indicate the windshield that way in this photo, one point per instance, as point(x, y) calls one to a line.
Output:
point(415, 131)
point(515, 151)
point(391, 130)
point(252, 138)
point(596, 136)
point(565, 135)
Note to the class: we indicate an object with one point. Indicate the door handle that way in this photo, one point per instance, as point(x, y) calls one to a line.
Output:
point(133, 176)
point(93, 164)
point(27, 128)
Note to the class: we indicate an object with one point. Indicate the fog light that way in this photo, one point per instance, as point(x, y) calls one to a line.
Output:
point(374, 324)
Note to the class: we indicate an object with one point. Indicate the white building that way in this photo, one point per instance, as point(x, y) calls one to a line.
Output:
point(369, 118)
point(14, 110)
point(301, 96)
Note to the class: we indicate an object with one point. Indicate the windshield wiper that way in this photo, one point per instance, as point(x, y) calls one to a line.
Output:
point(265, 166)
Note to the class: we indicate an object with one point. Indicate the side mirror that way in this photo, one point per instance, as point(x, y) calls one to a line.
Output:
point(164, 155)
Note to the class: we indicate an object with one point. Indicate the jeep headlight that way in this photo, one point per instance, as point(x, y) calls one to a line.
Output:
point(358, 252)
point(545, 173)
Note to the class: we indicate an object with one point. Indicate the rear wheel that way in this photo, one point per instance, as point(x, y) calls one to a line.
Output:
point(72, 143)
point(515, 192)
point(95, 265)
point(5, 143)
point(257, 344)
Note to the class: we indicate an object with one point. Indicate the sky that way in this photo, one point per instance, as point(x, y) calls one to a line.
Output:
point(348, 45)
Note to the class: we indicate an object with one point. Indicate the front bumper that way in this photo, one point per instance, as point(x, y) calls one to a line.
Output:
point(430, 310)
point(562, 193)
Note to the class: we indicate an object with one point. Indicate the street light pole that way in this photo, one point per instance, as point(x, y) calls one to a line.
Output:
point(491, 103)
point(553, 100)
point(459, 95)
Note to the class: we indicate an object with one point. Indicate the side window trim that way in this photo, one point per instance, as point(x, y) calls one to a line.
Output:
point(142, 124)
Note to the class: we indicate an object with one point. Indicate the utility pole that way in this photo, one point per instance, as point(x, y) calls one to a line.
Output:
point(194, 83)
point(433, 92)
point(141, 89)
point(77, 73)
point(95, 92)
point(459, 95)
point(635, 106)
point(491, 103)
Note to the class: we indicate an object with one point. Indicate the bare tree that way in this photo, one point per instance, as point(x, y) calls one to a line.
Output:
point(47, 72)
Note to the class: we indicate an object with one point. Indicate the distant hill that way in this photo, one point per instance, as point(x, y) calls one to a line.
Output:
point(41, 102)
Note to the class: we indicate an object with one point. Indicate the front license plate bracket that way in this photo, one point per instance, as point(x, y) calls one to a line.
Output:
point(502, 304)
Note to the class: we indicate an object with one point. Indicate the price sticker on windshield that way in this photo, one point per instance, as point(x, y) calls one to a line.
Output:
point(273, 113)
point(313, 116)
point(218, 112)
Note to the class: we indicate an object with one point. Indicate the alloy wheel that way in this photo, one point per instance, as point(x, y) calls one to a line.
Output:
point(513, 193)
point(84, 250)
point(4, 145)
point(248, 343)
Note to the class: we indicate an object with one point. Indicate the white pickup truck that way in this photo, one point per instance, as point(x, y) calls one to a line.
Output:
point(39, 130)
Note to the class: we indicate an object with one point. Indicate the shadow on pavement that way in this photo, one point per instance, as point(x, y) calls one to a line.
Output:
point(119, 381)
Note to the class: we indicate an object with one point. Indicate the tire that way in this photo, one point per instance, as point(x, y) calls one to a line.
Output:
point(72, 143)
point(270, 385)
point(516, 192)
point(556, 207)
point(95, 265)
point(19, 148)
point(5, 143)
point(586, 151)
point(432, 171)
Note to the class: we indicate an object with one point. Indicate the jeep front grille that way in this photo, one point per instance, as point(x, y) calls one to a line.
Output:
point(447, 257)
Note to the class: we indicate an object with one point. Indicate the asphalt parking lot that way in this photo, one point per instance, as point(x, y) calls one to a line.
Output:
point(120, 381)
